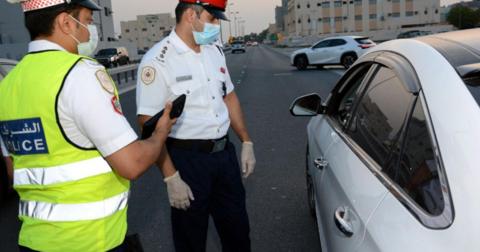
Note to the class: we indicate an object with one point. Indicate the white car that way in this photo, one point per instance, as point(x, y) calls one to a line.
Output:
point(238, 46)
point(332, 51)
point(393, 159)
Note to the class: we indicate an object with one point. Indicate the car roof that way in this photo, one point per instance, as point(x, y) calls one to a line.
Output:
point(460, 48)
point(346, 37)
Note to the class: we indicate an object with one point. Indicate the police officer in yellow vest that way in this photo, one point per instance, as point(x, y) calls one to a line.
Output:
point(73, 150)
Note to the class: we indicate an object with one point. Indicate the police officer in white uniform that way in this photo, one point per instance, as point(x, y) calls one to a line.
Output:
point(88, 107)
point(200, 165)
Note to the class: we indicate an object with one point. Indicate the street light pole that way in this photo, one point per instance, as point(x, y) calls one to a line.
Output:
point(230, 22)
point(235, 21)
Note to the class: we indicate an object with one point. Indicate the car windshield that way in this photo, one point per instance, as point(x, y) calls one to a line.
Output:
point(107, 52)
point(238, 43)
point(364, 41)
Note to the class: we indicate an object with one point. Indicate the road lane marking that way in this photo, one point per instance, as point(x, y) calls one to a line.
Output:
point(282, 74)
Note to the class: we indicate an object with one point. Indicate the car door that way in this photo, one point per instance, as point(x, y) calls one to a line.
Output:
point(349, 189)
point(319, 52)
point(417, 210)
point(341, 104)
point(335, 51)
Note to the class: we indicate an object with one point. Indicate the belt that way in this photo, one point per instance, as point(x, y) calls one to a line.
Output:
point(206, 146)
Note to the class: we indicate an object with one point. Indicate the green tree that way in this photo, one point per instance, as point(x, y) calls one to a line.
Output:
point(463, 17)
point(263, 35)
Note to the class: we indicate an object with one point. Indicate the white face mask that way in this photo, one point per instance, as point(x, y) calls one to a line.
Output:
point(87, 48)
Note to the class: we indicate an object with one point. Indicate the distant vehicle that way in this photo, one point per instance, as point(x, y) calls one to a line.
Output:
point(238, 46)
point(113, 57)
point(413, 34)
point(332, 51)
point(5, 188)
point(255, 43)
point(392, 155)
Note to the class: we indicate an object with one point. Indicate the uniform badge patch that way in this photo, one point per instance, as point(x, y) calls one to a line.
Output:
point(116, 105)
point(148, 75)
point(223, 70)
point(105, 81)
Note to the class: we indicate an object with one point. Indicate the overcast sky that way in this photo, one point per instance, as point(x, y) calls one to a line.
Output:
point(256, 13)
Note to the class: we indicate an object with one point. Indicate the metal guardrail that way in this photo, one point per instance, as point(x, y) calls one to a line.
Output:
point(124, 73)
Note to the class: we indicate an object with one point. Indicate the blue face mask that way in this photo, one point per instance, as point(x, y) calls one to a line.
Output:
point(209, 35)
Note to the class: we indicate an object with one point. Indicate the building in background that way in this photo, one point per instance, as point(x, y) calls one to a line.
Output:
point(14, 37)
point(379, 19)
point(147, 30)
point(103, 19)
point(280, 13)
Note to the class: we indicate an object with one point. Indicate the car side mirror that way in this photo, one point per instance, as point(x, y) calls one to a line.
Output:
point(308, 105)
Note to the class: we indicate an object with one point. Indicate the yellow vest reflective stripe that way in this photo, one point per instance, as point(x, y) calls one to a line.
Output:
point(70, 198)
point(62, 173)
point(73, 212)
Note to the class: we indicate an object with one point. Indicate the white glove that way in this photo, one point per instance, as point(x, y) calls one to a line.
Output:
point(179, 193)
point(248, 159)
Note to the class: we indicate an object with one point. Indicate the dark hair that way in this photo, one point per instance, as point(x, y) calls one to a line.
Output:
point(40, 22)
point(182, 7)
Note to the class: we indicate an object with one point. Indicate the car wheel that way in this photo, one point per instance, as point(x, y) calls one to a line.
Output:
point(348, 60)
point(301, 62)
point(310, 188)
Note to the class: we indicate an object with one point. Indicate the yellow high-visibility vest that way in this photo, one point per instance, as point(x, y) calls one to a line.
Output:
point(70, 198)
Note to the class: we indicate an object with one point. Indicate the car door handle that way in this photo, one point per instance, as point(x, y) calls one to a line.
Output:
point(342, 221)
point(321, 163)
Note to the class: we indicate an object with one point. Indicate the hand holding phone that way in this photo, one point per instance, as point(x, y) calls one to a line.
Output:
point(177, 108)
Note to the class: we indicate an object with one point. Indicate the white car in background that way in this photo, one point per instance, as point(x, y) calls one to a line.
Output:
point(332, 51)
point(393, 158)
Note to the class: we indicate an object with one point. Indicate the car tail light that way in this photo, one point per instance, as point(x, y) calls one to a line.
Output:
point(366, 46)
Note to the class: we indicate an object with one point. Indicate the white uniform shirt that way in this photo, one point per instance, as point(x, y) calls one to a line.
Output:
point(86, 110)
point(170, 69)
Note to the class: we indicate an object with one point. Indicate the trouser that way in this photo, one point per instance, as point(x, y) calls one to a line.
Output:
point(217, 186)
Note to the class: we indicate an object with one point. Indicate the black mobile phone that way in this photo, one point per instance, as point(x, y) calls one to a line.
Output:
point(177, 108)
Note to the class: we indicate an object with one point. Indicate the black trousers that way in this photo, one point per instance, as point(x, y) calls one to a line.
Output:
point(217, 186)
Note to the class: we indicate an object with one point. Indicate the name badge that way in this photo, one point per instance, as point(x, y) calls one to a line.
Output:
point(24, 137)
point(184, 78)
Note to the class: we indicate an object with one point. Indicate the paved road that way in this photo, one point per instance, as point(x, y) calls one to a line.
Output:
point(276, 193)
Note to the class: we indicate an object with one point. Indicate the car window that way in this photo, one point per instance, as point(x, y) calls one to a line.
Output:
point(337, 42)
point(322, 44)
point(417, 172)
point(364, 41)
point(349, 95)
point(381, 115)
point(473, 85)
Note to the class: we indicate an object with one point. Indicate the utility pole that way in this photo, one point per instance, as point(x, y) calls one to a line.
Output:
point(230, 18)
point(235, 21)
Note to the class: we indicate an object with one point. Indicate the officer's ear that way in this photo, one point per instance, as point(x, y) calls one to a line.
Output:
point(64, 23)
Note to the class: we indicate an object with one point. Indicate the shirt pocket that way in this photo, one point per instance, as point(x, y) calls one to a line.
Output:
point(185, 87)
